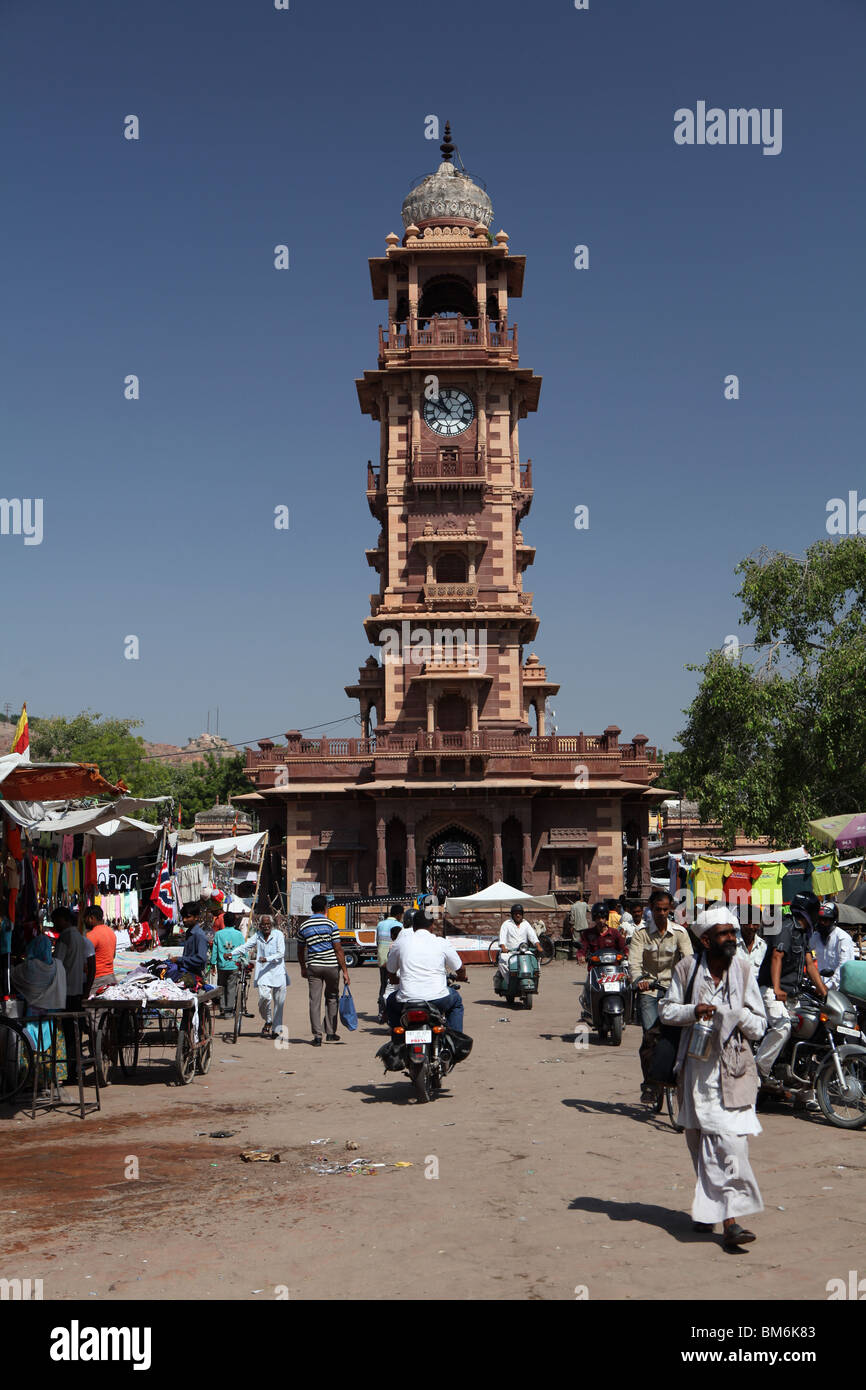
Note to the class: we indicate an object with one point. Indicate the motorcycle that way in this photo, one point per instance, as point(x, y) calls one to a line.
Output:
point(609, 995)
point(424, 1046)
point(522, 979)
point(824, 1054)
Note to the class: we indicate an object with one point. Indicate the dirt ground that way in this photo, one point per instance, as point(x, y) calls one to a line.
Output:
point(553, 1181)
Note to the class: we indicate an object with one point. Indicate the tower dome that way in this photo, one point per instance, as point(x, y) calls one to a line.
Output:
point(449, 195)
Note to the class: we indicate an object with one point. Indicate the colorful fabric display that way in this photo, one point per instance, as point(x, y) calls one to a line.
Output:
point(767, 890)
point(826, 877)
point(709, 877)
point(798, 879)
point(738, 884)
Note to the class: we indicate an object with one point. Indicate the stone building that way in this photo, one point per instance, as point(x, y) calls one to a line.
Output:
point(455, 781)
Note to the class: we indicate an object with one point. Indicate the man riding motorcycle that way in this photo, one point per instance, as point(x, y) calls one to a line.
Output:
point(781, 976)
point(653, 952)
point(832, 946)
point(599, 937)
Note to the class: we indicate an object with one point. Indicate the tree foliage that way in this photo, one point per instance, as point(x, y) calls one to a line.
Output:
point(779, 740)
point(121, 755)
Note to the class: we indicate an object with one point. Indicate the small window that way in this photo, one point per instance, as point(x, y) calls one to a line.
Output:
point(340, 873)
point(568, 868)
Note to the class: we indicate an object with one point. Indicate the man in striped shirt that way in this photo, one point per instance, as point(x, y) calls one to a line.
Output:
point(320, 956)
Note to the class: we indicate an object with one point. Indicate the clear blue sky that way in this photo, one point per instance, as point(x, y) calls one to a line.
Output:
point(307, 127)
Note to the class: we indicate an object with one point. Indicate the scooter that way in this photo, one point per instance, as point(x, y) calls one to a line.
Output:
point(824, 1054)
point(609, 995)
point(521, 982)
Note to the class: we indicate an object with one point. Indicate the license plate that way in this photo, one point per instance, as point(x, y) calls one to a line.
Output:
point(851, 1032)
point(610, 986)
point(418, 1035)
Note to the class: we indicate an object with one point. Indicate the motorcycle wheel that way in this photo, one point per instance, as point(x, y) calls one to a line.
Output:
point(615, 1029)
point(844, 1114)
point(527, 999)
point(420, 1074)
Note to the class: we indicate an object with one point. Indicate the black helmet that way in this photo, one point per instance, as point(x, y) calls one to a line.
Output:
point(805, 905)
point(828, 915)
point(599, 910)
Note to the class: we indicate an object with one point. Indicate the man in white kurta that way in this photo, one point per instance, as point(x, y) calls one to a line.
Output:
point(723, 989)
point(514, 933)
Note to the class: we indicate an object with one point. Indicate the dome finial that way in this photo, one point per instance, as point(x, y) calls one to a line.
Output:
point(447, 147)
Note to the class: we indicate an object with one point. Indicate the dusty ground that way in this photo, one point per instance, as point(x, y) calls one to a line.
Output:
point(551, 1176)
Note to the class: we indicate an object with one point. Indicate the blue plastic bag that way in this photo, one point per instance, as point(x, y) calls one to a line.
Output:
point(347, 1009)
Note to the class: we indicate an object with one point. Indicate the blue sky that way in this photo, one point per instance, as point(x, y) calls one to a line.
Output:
point(306, 127)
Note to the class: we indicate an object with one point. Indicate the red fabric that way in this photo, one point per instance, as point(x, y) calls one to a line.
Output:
point(90, 871)
point(608, 940)
point(739, 882)
point(13, 840)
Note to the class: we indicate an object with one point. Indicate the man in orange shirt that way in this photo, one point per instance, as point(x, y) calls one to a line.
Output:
point(105, 944)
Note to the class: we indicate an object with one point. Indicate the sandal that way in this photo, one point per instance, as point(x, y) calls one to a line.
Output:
point(735, 1236)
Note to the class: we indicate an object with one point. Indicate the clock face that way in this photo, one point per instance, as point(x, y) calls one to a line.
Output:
point(449, 413)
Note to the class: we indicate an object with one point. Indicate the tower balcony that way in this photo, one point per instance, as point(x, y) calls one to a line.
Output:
point(449, 339)
point(451, 595)
point(451, 468)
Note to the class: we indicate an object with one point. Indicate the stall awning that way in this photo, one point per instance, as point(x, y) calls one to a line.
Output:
point(24, 781)
point(232, 847)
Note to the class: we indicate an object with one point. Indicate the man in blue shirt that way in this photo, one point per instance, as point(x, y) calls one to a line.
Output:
point(224, 943)
point(383, 945)
point(320, 956)
point(193, 962)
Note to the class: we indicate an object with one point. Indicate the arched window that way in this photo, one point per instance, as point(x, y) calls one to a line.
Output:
point(447, 294)
point(454, 862)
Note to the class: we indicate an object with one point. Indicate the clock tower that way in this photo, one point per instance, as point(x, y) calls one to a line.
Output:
point(455, 781)
point(449, 488)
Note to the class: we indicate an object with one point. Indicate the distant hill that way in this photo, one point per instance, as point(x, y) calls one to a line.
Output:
point(194, 750)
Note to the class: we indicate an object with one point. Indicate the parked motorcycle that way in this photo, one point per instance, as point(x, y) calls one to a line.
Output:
point(609, 994)
point(424, 1046)
point(521, 982)
point(824, 1054)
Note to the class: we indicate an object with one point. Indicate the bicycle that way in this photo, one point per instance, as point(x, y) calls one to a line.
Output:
point(244, 976)
point(17, 1059)
point(668, 1094)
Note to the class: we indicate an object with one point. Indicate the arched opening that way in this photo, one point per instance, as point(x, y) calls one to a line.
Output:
point(493, 308)
point(451, 568)
point(447, 296)
point(452, 714)
point(512, 852)
point(454, 863)
point(395, 851)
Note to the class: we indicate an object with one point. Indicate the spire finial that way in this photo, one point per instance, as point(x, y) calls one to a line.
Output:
point(447, 147)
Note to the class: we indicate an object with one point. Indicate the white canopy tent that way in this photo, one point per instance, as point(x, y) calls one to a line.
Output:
point(500, 895)
point(232, 847)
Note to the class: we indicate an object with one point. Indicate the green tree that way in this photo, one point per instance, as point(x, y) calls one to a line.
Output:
point(777, 741)
point(121, 755)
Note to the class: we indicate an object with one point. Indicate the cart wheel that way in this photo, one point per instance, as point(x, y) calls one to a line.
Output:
point(184, 1057)
point(102, 1049)
point(351, 958)
point(205, 1048)
point(127, 1042)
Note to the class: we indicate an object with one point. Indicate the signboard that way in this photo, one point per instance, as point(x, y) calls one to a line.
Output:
point(301, 897)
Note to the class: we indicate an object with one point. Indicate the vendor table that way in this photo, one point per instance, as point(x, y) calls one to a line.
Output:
point(126, 1025)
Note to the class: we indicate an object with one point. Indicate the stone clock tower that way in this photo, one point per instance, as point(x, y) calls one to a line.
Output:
point(454, 781)
point(449, 489)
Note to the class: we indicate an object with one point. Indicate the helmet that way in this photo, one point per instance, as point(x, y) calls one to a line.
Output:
point(828, 915)
point(805, 905)
point(598, 910)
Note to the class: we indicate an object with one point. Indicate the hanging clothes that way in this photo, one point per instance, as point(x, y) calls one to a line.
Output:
point(767, 890)
point(826, 877)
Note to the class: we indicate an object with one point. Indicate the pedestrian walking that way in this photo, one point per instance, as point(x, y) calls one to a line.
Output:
point(716, 1001)
point(226, 939)
point(270, 978)
point(320, 956)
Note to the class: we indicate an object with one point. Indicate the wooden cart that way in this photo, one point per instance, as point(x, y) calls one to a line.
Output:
point(125, 1026)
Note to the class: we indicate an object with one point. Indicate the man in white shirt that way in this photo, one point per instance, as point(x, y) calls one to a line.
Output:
point(419, 963)
point(750, 946)
point(831, 945)
point(515, 932)
point(270, 978)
